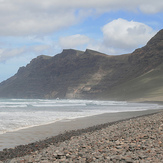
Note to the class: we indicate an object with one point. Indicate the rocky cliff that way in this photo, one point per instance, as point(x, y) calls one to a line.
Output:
point(92, 75)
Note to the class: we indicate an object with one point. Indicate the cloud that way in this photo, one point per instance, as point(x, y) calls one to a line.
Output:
point(22, 18)
point(73, 41)
point(28, 17)
point(152, 7)
point(126, 35)
point(10, 53)
point(119, 36)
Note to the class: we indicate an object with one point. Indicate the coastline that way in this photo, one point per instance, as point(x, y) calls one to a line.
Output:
point(37, 133)
point(44, 135)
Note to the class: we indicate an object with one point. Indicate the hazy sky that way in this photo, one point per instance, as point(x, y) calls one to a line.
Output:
point(29, 28)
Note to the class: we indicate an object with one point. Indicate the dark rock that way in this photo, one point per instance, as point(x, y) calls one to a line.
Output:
point(90, 75)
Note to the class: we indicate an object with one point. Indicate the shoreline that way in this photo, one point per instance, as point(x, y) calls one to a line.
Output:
point(36, 133)
point(45, 135)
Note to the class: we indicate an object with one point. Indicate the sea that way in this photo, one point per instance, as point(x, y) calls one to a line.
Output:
point(17, 114)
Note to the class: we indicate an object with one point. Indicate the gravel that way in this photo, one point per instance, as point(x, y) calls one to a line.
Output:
point(136, 140)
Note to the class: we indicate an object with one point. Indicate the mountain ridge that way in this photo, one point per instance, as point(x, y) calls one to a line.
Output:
point(88, 74)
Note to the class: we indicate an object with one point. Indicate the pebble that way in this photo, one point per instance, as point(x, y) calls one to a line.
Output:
point(131, 141)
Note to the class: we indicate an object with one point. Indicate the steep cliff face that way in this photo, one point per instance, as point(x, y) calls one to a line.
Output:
point(150, 56)
point(86, 75)
point(52, 77)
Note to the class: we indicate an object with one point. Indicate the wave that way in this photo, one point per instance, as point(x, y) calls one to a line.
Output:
point(21, 113)
point(13, 106)
point(29, 103)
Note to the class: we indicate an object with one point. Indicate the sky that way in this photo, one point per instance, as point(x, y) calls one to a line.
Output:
point(29, 28)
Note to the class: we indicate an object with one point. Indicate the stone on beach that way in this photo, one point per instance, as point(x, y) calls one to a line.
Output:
point(135, 140)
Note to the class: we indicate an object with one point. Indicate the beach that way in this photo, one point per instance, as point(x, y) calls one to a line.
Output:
point(116, 137)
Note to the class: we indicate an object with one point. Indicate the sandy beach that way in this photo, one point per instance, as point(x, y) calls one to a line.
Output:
point(49, 141)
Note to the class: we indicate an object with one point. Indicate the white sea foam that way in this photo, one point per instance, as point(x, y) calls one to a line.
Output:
point(16, 114)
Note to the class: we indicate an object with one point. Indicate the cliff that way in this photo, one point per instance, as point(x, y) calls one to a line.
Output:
point(92, 75)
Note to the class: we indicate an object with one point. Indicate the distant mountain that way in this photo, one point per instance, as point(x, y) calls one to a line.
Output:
point(92, 75)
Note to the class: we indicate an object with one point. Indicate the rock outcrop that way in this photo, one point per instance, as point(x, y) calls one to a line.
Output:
point(92, 75)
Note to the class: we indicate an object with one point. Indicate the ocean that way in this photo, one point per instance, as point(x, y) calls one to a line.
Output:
point(16, 114)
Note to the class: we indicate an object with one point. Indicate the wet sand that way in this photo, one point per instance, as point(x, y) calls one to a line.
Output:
point(33, 134)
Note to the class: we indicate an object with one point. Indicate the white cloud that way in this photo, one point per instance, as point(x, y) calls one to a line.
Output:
point(119, 36)
point(40, 17)
point(73, 41)
point(21, 18)
point(151, 7)
point(126, 35)
point(40, 48)
point(10, 53)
